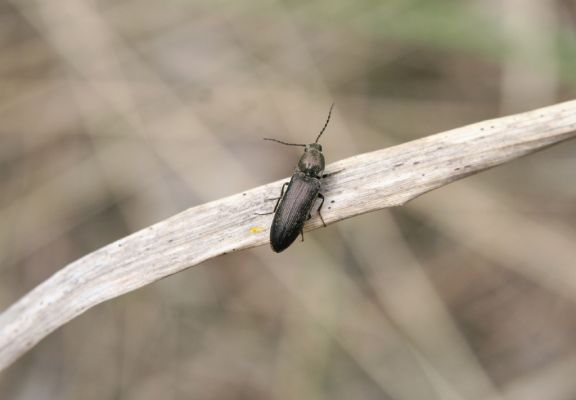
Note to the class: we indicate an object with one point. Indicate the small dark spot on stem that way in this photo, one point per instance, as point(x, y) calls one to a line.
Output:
point(467, 166)
point(416, 163)
point(170, 241)
point(457, 169)
point(398, 165)
point(243, 194)
point(332, 201)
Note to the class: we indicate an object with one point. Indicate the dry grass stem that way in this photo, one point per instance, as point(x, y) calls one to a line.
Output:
point(364, 183)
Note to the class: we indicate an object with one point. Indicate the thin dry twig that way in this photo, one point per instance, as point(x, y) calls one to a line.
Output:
point(366, 182)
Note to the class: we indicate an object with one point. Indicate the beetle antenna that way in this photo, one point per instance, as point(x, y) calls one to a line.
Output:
point(326, 124)
point(288, 144)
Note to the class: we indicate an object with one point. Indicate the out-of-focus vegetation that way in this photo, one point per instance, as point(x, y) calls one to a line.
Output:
point(117, 114)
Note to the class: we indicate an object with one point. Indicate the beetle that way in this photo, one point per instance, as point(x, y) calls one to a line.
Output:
point(298, 196)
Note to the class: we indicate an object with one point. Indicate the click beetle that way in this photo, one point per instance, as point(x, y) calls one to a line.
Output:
point(298, 196)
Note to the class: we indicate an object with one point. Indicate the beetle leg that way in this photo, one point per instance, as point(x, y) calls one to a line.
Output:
point(331, 173)
point(268, 213)
point(320, 207)
point(281, 195)
point(277, 200)
point(302, 233)
point(281, 192)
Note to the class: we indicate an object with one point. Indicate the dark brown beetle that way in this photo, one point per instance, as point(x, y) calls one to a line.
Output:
point(293, 207)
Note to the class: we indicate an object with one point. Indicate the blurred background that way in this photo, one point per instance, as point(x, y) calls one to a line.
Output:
point(117, 114)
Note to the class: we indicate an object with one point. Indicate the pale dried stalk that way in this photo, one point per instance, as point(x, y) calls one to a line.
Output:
point(364, 183)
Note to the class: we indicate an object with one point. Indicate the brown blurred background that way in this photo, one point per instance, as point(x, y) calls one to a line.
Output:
point(117, 114)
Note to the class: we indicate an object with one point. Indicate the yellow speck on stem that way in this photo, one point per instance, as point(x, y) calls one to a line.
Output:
point(257, 229)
